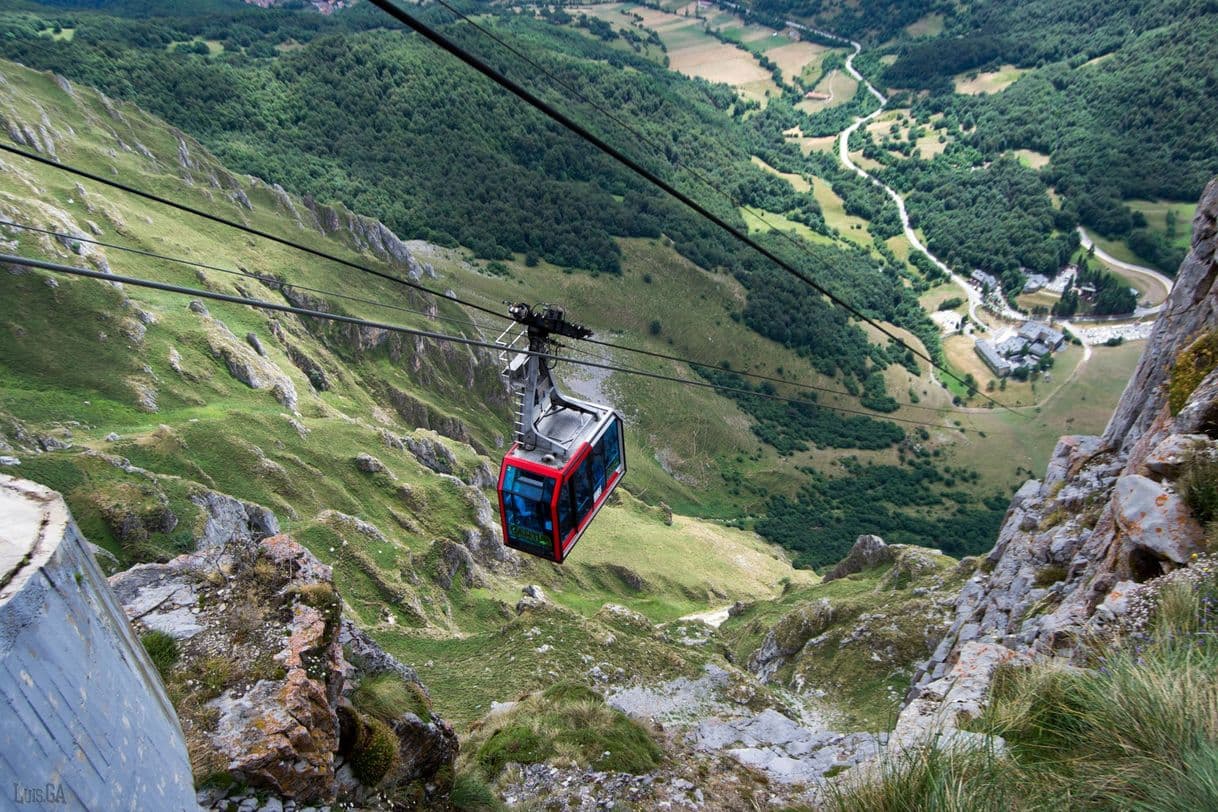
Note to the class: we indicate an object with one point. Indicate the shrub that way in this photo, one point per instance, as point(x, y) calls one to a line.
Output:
point(514, 743)
point(1198, 485)
point(163, 650)
point(1050, 574)
point(470, 793)
point(215, 675)
point(1138, 730)
point(564, 692)
point(374, 751)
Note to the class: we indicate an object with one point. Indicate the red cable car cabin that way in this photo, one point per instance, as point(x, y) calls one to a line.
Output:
point(546, 504)
point(568, 454)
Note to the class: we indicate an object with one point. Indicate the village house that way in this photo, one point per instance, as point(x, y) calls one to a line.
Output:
point(984, 280)
point(989, 354)
point(1035, 282)
point(1038, 331)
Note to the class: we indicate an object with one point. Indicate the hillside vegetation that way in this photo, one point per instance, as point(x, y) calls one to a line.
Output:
point(541, 212)
point(145, 408)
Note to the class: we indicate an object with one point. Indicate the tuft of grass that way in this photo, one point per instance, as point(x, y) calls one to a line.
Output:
point(374, 751)
point(1049, 575)
point(1053, 519)
point(1198, 485)
point(471, 793)
point(1190, 368)
point(388, 696)
point(947, 780)
point(567, 723)
point(517, 743)
point(163, 650)
point(1139, 730)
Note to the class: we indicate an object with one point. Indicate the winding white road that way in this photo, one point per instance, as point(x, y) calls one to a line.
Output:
point(1140, 270)
point(975, 301)
point(843, 153)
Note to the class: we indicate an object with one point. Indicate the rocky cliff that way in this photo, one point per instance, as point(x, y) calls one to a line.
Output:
point(1111, 515)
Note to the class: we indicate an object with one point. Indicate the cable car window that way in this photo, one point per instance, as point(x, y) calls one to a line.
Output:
point(566, 511)
point(611, 443)
point(581, 485)
point(526, 501)
point(596, 459)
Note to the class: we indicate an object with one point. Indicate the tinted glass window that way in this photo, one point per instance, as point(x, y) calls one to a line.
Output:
point(581, 485)
point(526, 506)
point(611, 445)
point(566, 510)
point(596, 459)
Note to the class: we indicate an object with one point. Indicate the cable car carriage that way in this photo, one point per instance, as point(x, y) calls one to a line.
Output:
point(568, 454)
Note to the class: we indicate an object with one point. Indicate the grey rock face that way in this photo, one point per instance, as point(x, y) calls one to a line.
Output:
point(431, 454)
point(788, 636)
point(368, 657)
point(370, 464)
point(230, 520)
point(255, 342)
point(1174, 451)
point(1100, 524)
point(1154, 521)
point(867, 552)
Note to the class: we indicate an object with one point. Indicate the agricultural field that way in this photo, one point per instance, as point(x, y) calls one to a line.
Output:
point(1032, 158)
point(692, 51)
point(929, 26)
point(838, 85)
point(998, 441)
point(798, 182)
point(990, 82)
point(897, 125)
point(809, 144)
point(1157, 213)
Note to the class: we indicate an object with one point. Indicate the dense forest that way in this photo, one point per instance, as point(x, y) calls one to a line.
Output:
point(1112, 97)
point(912, 503)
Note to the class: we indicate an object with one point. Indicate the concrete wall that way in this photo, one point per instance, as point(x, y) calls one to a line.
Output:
point(84, 720)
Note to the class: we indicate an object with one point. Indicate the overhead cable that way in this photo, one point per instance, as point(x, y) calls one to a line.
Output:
point(566, 121)
point(33, 156)
point(442, 337)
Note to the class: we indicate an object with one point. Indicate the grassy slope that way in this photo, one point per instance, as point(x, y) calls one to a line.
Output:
point(67, 365)
point(860, 665)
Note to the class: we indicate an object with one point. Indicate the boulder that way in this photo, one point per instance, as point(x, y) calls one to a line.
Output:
point(370, 659)
point(370, 464)
point(276, 724)
point(867, 552)
point(281, 736)
point(1154, 522)
point(1176, 449)
point(256, 343)
point(431, 454)
point(533, 598)
point(789, 635)
point(228, 519)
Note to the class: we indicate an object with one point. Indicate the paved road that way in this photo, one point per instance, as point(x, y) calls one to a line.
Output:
point(1140, 270)
point(975, 302)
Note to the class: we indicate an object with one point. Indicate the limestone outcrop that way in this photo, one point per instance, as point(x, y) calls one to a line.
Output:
point(1110, 512)
point(262, 681)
